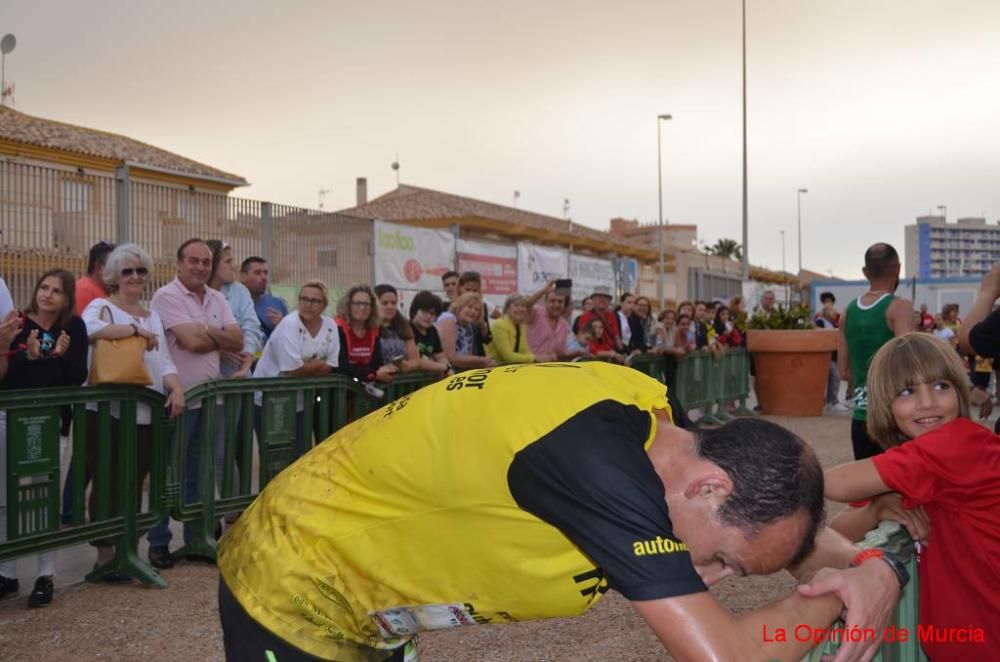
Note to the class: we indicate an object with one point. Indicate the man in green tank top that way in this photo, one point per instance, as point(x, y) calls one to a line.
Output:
point(869, 322)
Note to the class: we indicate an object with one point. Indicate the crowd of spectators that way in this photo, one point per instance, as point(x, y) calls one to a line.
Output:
point(214, 321)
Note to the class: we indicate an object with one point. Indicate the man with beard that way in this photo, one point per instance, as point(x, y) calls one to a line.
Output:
point(869, 322)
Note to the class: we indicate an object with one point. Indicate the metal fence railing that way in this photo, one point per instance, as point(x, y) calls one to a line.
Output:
point(50, 217)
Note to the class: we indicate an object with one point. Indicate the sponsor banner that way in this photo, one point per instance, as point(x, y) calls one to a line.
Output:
point(537, 265)
point(496, 263)
point(590, 272)
point(412, 258)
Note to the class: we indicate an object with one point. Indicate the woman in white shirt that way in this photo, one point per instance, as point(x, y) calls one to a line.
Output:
point(304, 344)
point(120, 315)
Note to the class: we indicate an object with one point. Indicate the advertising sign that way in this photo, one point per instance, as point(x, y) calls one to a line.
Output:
point(496, 263)
point(537, 265)
point(590, 272)
point(412, 258)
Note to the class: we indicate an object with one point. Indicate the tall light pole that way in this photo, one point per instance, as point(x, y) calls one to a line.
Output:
point(783, 265)
point(746, 247)
point(944, 212)
point(659, 186)
point(801, 191)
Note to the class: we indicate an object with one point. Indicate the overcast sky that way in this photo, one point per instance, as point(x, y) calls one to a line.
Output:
point(883, 109)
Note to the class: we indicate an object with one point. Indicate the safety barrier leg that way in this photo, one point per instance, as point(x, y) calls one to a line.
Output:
point(126, 559)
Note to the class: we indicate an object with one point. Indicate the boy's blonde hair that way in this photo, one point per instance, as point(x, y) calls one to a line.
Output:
point(915, 358)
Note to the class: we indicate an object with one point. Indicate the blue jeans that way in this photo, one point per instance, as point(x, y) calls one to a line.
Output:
point(160, 535)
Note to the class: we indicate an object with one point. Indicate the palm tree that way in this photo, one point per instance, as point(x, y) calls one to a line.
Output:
point(726, 248)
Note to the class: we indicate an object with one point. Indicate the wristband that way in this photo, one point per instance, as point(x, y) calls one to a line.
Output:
point(897, 566)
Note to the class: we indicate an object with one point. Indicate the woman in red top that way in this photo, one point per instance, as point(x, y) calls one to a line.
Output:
point(358, 322)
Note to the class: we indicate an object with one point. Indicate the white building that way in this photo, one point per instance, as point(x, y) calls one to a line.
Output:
point(937, 249)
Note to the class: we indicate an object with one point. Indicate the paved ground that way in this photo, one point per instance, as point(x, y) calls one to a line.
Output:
point(91, 622)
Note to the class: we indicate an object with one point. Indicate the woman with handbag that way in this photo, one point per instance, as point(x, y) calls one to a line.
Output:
point(129, 348)
point(50, 350)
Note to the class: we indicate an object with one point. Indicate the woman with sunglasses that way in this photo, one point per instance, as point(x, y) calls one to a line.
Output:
point(49, 350)
point(122, 315)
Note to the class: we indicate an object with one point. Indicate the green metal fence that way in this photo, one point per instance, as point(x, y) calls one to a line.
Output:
point(891, 537)
point(705, 381)
point(33, 473)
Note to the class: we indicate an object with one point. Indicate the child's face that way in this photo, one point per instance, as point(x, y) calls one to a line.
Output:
point(925, 407)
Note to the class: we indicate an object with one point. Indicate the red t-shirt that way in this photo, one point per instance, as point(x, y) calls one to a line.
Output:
point(602, 344)
point(87, 289)
point(954, 473)
point(359, 350)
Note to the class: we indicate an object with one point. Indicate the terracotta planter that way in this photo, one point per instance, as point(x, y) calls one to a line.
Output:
point(791, 369)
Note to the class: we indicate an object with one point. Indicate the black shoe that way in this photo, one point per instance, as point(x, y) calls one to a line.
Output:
point(114, 577)
point(159, 557)
point(42, 595)
point(9, 587)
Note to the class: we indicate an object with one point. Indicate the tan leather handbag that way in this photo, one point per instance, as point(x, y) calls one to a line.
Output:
point(119, 361)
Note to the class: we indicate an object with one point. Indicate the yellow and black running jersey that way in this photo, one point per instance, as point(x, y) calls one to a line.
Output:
point(500, 495)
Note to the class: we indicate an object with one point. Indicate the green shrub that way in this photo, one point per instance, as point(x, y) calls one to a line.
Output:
point(794, 317)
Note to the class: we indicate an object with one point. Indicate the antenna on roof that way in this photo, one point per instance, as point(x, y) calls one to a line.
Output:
point(395, 166)
point(517, 194)
point(7, 45)
point(320, 195)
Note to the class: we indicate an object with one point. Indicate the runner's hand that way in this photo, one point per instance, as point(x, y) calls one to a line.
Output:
point(869, 593)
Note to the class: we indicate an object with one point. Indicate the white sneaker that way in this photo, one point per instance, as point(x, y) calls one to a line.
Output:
point(837, 407)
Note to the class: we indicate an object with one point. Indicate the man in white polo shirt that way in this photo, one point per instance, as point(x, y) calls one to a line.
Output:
point(198, 324)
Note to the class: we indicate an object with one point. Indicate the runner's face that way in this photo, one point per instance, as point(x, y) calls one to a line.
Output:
point(924, 407)
point(718, 550)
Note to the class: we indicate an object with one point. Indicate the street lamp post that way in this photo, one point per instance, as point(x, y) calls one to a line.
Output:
point(783, 264)
point(801, 191)
point(944, 212)
point(746, 238)
point(659, 186)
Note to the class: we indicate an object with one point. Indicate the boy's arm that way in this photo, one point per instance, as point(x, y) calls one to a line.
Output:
point(853, 481)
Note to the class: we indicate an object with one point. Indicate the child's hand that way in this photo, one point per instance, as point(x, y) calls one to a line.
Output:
point(890, 507)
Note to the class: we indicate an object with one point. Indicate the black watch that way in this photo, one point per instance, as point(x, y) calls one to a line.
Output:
point(898, 567)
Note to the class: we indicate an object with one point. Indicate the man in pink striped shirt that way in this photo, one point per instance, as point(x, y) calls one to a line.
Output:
point(547, 327)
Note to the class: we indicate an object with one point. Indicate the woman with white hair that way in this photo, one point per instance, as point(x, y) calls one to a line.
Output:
point(510, 336)
point(121, 315)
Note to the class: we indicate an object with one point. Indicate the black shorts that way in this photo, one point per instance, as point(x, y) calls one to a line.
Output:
point(980, 379)
point(864, 447)
point(245, 639)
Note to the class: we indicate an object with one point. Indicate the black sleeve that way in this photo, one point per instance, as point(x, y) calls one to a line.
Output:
point(638, 340)
point(985, 336)
point(74, 362)
point(591, 479)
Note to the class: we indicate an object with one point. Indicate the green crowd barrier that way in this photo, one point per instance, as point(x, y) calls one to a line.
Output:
point(230, 423)
point(900, 642)
point(705, 381)
point(33, 477)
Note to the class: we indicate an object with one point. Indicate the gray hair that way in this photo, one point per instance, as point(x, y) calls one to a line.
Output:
point(116, 262)
point(512, 299)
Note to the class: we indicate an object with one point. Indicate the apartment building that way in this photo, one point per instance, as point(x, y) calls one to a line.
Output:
point(936, 249)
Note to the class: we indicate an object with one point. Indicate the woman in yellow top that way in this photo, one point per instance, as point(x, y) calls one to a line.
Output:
point(510, 335)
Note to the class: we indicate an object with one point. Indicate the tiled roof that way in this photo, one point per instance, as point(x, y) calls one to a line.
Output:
point(18, 127)
point(412, 203)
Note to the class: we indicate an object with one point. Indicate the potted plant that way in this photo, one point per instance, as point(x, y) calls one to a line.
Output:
point(791, 361)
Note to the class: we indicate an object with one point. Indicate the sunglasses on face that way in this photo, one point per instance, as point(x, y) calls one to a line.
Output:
point(142, 272)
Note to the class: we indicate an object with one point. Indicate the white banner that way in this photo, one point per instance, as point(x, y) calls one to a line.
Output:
point(537, 265)
point(590, 272)
point(412, 258)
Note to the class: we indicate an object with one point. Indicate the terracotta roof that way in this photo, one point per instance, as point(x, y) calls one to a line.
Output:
point(412, 203)
point(18, 127)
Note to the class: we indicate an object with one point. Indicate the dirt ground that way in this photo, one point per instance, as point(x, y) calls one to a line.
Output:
point(100, 622)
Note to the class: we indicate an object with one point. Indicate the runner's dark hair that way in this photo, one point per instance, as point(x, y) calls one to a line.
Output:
point(879, 258)
point(774, 473)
